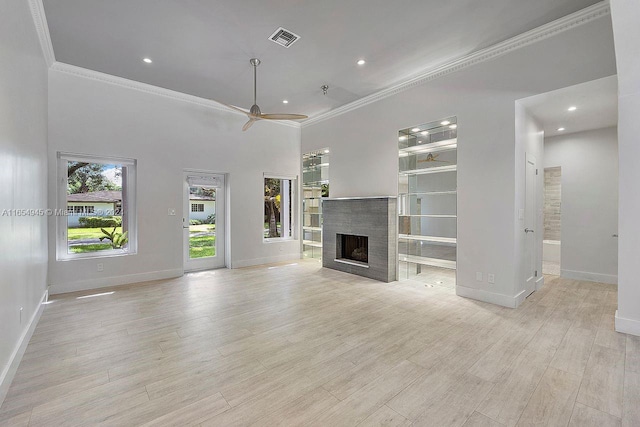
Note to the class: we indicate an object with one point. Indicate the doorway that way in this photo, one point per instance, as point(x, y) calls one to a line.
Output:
point(552, 221)
point(203, 221)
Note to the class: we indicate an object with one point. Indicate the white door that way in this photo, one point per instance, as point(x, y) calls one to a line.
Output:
point(203, 223)
point(530, 225)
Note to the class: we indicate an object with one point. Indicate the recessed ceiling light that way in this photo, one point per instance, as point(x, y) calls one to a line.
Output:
point(560, 129)
point(147, 60)
point(326, 151)
point(453, 126)
point(284, 101)
point(446, 122)
point(419, 142)
point(424, 132)
point(415, 129)
point(361, 62)
point(402, 138)
point(572, 108)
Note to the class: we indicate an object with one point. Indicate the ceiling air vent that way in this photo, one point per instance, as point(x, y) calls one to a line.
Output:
point(284, 37)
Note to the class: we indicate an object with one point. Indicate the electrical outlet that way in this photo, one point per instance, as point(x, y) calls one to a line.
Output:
point(491, 278)
point(479, 276)
point(100, 266)
point(172, 212)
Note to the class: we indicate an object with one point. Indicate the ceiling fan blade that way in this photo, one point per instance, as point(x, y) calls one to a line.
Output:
point(283, 116)
point(250, 123)
point(240, 110)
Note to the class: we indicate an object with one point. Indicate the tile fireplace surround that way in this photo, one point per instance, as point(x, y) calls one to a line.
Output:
point(372, 217)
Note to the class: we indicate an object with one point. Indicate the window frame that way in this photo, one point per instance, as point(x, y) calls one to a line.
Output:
point(293, 221)
point(129, 193)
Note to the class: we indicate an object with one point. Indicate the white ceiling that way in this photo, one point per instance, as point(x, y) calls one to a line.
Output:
point(203, 48)
point(596, 105)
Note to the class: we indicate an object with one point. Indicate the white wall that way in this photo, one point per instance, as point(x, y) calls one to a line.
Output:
point(166, 136)
point(626, 15)
point(23, 174)
point(529, 147)
point(589, 217)
point(363, 142)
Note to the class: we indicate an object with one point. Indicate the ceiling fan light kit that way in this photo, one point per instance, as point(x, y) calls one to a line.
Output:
point(254, 112)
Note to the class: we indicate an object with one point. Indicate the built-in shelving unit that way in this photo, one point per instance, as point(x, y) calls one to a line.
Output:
point(427, 196)
point(315, 186)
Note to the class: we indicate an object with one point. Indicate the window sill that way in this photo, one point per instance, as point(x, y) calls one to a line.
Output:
point(278, 239)
point(102, 254)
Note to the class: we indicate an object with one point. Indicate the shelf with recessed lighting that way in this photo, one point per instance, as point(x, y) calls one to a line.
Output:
point(447, 144)
point(433, 262)
point(315, 182)
point(437, 169)
point(429, 193)
point(434, 239)
point(312, 244)
point(430, 216)
point(427, 208)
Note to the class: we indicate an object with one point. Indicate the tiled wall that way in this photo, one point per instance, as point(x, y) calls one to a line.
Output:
point(552, 203)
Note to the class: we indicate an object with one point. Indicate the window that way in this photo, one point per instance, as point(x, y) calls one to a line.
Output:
point(96, 207)
point(279, 205)
point(197, 207)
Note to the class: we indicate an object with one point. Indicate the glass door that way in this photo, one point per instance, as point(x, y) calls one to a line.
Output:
point(203, 224)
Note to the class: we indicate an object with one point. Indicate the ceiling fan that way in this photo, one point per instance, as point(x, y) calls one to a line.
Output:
point(254, 113)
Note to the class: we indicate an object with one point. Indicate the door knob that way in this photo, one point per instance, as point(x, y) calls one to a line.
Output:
point(528, 230)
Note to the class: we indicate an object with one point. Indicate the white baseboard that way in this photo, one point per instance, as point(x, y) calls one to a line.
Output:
point(627, 326)
point(266, 260)
point(589, 277)
point(491, 297)
point(107, 282)
point(539, 283)
point(14, 361)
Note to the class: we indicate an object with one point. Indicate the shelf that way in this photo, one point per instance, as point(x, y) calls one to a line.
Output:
point(432, 216)
point(447, 144)
point(312, 228)
point(433, 262)
point(312, 243)
point(428, 238)
point(314, 167)
point(429, 193)
point(438, 169)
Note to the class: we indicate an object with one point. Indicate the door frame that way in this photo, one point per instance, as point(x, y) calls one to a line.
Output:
point(226, 244)
point(530, 220)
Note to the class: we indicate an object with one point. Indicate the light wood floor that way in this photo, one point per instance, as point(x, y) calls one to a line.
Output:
point(299, 345)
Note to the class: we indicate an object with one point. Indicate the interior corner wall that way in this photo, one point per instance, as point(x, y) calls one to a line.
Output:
point(165, 136)
point(364, 142)
point(529, 146)
point(589, 217)
point(626, 15)
point(23, 188)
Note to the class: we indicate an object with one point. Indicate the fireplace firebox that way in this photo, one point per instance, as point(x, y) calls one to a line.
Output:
point(353, 248)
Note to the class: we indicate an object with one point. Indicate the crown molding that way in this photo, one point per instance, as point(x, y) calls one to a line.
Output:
point(565, 23)
point(42, 28)
point(153, 90)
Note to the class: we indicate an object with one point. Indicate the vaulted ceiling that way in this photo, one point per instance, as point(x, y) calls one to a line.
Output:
point(203, 47)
